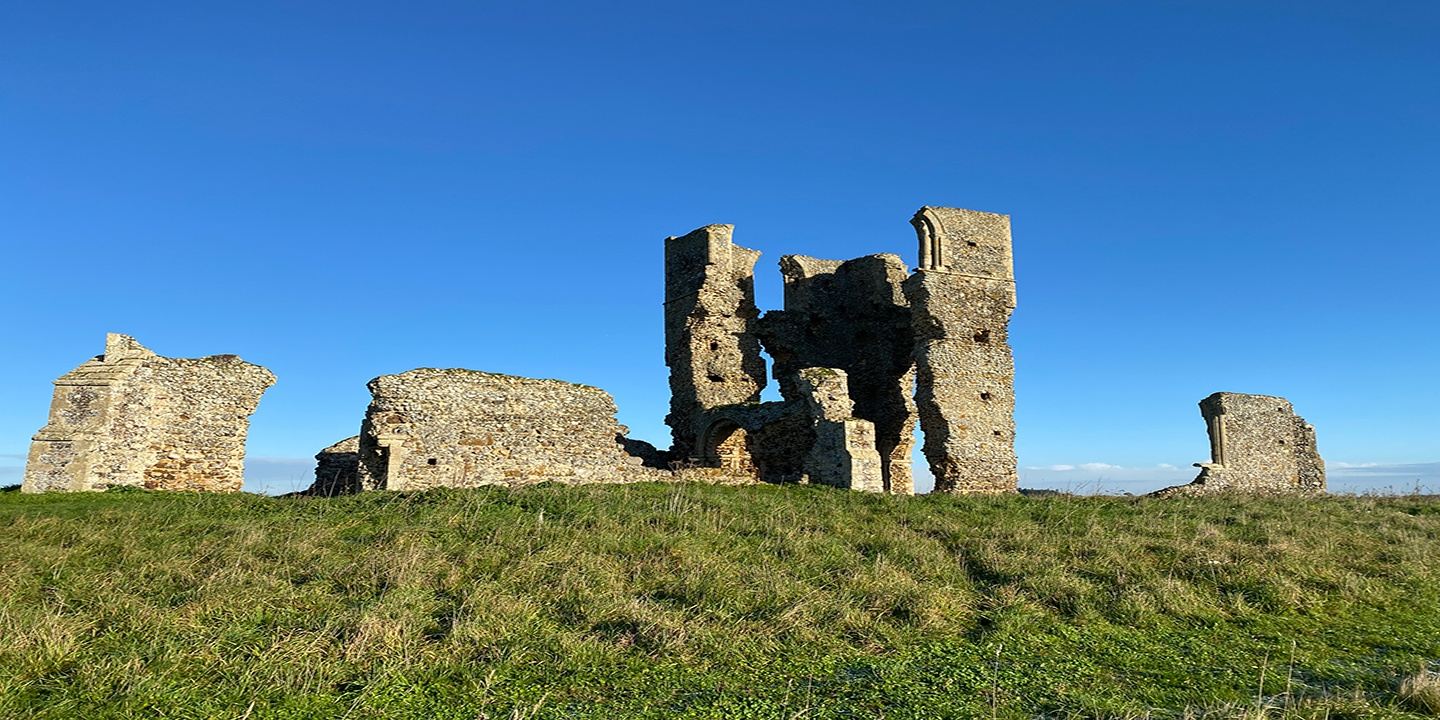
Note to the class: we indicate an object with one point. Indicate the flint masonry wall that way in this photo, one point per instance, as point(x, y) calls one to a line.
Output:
point(337, 468)
point(431, 428)
point(961, 298)
point(1257, 444)
point(852, 316)
point(710, 348)
point(131, 418)
point(843, 453)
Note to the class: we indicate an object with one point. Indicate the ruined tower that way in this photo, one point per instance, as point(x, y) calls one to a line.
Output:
point(713, 355)
point(131, 418)
point(852, 316)
point(1257, 444)
point(961, 298)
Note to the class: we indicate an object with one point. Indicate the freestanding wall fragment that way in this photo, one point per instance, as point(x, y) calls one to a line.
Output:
point(131, 418)
point(336, 469)
point(713, 355)
point(431, 428)
point(961, 299)
point(843, 454)
point(1257, 444)
point(852, 316)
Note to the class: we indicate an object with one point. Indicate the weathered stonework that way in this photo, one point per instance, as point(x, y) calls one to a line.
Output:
point(1257, 444)
point(941, 332)
point(713, 355)
point(843, 453)
point(852, 316)
point(337, 469)
point(131, 418)
point(431, 428)
point(961, 299)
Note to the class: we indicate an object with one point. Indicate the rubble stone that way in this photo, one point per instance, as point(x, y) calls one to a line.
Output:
point(131, 418)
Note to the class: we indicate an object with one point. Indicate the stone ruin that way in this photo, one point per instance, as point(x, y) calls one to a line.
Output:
point(336, 468)
point(863, 350)
point(432, 428)
point(131, 418)
point(1258, 445)
point(931, 347)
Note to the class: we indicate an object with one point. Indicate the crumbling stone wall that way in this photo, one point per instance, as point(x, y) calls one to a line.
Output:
point(431, 428)
point(1257, 444)
point(961, 299)
point(852, 316)
point(131, 418)
point(843, 453)
point(337, 469)
point(713, 355)
point(756, 442)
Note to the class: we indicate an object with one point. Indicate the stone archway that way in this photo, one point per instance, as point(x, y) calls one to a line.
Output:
point(727, 446)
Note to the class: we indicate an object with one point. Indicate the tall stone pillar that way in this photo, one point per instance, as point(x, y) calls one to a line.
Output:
point(710, 348)
point(961, 299)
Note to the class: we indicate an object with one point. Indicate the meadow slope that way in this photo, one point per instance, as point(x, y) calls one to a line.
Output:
point(663, 601)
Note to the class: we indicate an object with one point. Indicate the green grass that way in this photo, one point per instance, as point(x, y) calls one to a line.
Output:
point(663, 601)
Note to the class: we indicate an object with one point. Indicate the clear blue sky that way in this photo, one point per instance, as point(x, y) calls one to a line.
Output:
point(1205, 196)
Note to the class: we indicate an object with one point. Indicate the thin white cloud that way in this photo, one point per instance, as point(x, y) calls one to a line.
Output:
point(1097, 466)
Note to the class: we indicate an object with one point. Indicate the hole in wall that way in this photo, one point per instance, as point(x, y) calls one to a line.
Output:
point(972, 243)
point(996, 433)
point(985, 396)
point(982, 336)
point(431, 461)
point(771, 391)
point(714, 345)
point(712, 377)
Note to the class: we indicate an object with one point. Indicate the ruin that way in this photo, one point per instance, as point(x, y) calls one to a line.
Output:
point(1257, 444)
point(863, 350)
point(851, 316)
point(961, 299)
point(132, 418)
point(710, 344)
point(843, 453)
point(337, 469)
point(431, 428)
point(941, 334)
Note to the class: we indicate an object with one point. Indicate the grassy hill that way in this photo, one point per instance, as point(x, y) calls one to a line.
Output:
point(659, 601)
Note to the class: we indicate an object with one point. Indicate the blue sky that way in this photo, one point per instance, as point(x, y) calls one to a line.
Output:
point(1205, 196)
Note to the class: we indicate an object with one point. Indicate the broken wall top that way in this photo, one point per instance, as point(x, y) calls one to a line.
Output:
point(705, 256)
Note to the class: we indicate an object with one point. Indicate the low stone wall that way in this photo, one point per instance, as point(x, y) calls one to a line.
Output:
point(431, 428)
